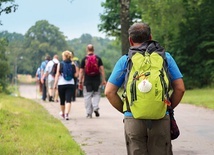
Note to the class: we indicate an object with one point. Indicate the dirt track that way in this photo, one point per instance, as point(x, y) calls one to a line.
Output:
point(104, 135)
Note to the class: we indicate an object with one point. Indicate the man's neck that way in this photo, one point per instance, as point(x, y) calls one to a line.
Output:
point(137, 44)
point(90, 52)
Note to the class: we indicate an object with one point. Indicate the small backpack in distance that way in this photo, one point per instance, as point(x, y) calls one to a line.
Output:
point(67, 70)
point(54, 69)
point(91, 65)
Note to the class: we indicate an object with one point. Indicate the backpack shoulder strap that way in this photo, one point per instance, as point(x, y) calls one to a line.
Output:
point(61, 66)
point(54, 62)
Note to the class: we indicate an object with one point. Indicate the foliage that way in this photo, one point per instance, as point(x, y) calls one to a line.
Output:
point(26, 128)
point(110, 21)
point(4, 66)
point(15, 54)
point(161, 15)
point(196, 46)
point(115, 21)
point(7, 8)
point(43, 39)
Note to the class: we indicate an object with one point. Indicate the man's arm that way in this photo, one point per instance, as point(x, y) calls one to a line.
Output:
point(45, 74)
point(42, 71)
point(102, 71)
point(113, 97)
point(81, 72)
point(178, 92)
point(81, 78)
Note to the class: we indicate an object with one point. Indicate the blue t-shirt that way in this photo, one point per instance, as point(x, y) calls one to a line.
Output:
point(117, 76)
point(43, 65)
point(38, 73)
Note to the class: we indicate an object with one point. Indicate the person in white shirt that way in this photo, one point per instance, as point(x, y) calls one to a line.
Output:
point(51, 77)
point(64, 79)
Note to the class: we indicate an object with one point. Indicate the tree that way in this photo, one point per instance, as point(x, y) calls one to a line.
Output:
point(117, 18)
point(43, 39)
point(16, 57)
point(7, 8)
point(4, 66)
point(196, 47)
point(124, 15)
point(164, 18)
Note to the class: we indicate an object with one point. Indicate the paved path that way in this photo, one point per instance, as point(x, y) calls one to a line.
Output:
point(104, 135)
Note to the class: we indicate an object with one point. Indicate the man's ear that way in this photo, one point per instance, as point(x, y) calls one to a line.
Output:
point(150, 37)
point(131, 42)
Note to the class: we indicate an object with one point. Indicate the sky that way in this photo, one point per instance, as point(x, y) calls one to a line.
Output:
point(72, 18)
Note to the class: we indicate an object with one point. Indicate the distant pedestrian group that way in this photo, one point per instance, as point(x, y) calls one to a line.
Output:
point(68, 78)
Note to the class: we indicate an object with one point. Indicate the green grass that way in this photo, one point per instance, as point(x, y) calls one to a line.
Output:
point(200, 97)
point(26, 128)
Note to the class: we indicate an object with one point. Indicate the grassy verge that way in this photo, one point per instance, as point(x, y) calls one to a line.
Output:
point(26, 128)
point(200, 97)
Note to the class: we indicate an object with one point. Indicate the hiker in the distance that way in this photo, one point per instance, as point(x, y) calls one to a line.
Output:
point(64, 80)
point(93, 75)
point(44, 81)
point(147, 121)
point(50, 72)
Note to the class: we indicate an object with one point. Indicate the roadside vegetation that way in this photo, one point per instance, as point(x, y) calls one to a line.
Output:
point(27, 128)
point(200, 97)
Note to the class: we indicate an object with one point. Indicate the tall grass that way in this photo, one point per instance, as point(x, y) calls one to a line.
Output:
point(27, 129)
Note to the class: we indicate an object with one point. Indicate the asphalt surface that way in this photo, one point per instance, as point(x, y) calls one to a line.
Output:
point(105, 135)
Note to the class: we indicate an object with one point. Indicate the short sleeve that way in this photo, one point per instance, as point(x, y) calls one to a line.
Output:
point(117, 76)
point(173, 68)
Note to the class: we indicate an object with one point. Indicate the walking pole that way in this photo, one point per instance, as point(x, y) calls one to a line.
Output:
point(36, 89)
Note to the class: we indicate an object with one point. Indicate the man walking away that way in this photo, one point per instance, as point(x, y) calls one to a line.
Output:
point(147, 121)
point(50, 71)
point(93, 74)
point(44, 84)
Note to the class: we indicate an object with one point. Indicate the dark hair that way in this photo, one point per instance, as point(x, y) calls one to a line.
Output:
point(139, 32)
point(47, 57)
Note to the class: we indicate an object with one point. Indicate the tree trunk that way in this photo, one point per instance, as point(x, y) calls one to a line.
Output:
point(124, 19)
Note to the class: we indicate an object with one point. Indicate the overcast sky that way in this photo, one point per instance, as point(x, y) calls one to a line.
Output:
point(73, 19)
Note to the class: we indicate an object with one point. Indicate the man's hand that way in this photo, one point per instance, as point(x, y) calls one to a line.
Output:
point(42, 80)
point(113, 97)
point(80, 87)
point(104, 83)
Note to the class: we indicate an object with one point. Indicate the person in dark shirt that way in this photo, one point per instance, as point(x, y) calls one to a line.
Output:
point(90, 80)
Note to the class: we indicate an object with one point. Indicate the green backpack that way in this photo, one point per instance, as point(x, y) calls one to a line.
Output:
point(146, 84)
